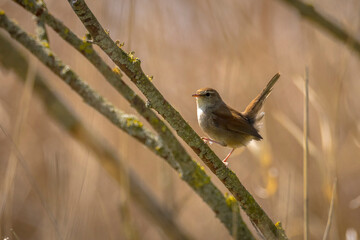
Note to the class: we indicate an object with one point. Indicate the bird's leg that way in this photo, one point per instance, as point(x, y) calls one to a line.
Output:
point(225, 160)
point(209, 140)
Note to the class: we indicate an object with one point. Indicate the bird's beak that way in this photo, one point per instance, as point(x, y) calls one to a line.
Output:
point(196, 95)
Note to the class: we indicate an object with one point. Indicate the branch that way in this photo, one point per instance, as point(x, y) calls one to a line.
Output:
point(192, 173)
point(40, 30)
point(309, 12)
point(128, 123)
point(13, 59)
point(131, 67)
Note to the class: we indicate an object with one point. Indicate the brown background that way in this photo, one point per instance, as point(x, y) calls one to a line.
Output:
point(232, 46)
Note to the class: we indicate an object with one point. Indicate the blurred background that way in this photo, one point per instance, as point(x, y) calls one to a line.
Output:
point(232, 46)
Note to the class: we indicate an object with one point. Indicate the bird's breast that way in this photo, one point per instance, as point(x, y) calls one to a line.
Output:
point(200, 114)
point(205, 120)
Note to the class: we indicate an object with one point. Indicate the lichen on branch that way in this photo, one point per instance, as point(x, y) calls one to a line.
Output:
point(133, 70)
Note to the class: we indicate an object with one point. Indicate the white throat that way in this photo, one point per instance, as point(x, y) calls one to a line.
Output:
point(200, 112)
point(201, 108)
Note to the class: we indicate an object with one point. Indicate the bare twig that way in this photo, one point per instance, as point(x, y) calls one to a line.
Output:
point(106, 156)
point(40, 30)
point(126, 122)
point(306, 155)
point(131, 67)
point(331, 211)
point(192, 173)
point(309, 12)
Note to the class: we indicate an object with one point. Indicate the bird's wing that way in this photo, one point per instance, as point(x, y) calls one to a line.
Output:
point(231, 120)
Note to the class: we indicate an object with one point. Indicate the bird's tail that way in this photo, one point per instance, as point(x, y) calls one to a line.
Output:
point(252, 110)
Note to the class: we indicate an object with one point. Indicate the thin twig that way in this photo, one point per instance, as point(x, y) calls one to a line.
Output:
point(130, 65)
point(331, 211)
point(40, 30)
point(106, 156)
point(309, 12)
point(189, 170)
point(306, 155)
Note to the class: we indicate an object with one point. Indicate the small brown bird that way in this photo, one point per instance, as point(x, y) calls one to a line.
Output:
point(226, 126)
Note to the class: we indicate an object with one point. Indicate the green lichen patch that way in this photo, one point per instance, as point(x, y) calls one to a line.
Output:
point(45, 44)
point(85, 46)
point(132, 122)
point(230, 200)
point(198, 177)
point(117, 70)
point(66, 31)
point(154, 120)
point(119, 44)
point(132, 58)
point(150, 78)
point(28, 3)
point(163, 128)
point(278, 225)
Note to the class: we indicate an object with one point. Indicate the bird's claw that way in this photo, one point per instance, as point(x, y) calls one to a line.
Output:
point(206, 140)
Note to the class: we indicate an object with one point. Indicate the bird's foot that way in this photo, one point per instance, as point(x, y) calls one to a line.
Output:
point(225, 163)
point(227, 157)
point(209, 140)
point(206, 140)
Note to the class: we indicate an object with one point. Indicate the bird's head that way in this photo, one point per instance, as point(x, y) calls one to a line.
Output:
point(207, 98)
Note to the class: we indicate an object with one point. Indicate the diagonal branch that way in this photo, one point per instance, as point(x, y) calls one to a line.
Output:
point(309, 12)
point(40, 30)
point(128, 123)
point(191, 172)
point(131, 67)
point(12, 59)
point(194, 175)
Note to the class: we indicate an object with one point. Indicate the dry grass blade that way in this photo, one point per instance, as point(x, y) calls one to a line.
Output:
point(331, 211)
point(296, 132)
point(32, 182)
point(11, 168)
point(306, 156)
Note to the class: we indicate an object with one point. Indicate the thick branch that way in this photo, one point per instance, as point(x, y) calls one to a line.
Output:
point(131, 66)
point(192, 173)
point(12, 59)
point(309, 12)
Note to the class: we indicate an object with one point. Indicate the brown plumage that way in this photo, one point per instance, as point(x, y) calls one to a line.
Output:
point(252, 110)
point(225, 125)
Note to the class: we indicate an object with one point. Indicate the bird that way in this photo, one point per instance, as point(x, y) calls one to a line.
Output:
point(226, 126)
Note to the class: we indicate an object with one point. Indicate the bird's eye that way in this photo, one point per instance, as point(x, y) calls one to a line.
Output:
point(207, 94)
